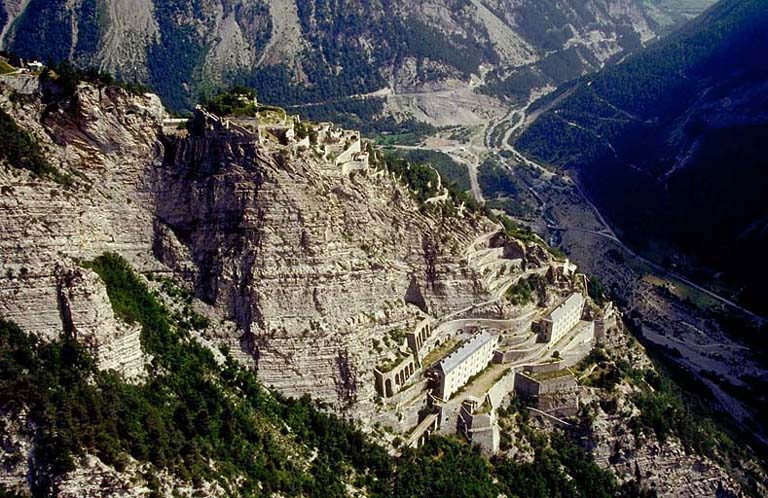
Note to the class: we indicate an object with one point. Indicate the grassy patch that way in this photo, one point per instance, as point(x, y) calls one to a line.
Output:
point(542, 376)
point(6, 68)
point(525, 290)
point(450, 171)
point(20, 150)
point(446, 348)
point(390, 365)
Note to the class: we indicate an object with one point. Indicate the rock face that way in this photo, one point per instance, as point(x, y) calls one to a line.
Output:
point(86, 316)
point(108, 139)
point(312, 266)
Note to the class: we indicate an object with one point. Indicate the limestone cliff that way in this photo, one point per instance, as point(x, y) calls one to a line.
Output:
point(311, 265)
point(106, 141)
point(303, 269)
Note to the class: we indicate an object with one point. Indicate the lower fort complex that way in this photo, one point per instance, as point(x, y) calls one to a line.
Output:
point(453, 374)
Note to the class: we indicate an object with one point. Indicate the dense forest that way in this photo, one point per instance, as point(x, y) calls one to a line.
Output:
point(341, 37)
point(3, 15)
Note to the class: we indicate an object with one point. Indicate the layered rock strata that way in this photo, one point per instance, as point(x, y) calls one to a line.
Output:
point(313, 267)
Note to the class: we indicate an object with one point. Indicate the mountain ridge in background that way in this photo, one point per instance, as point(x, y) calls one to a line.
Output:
point(669, 144)
point(298, 52)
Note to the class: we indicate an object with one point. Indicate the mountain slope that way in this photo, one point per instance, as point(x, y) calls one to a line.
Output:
point(676, 134)
point(159, 270)
point(317, 50)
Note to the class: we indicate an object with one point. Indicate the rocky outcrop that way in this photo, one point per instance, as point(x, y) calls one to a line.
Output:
point(105, 140)
point(664, 466)
point(86, 316)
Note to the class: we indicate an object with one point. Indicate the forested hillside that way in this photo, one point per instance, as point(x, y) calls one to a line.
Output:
point(317, 50)
point(677, 133)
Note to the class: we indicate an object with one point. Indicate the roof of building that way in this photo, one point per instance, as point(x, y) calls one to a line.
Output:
point(575, 299)
point(458, 357)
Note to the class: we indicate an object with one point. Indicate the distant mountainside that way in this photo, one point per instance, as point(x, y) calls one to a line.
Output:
point(315, 50)
point(670, 143)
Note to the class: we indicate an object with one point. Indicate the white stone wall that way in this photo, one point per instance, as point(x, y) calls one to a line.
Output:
point(473, 365)
point(564, 318)
point(501, 389)
point(349, 153)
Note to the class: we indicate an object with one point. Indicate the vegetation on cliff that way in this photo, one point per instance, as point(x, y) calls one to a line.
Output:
point(19, 149)
point(237, 101)
point(450, 171)
point(423, 181)
point(190, 411)
point(667, 411)
point(202, 420)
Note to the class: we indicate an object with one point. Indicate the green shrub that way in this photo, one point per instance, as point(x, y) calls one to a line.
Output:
point(237, 101)
point(20, 150)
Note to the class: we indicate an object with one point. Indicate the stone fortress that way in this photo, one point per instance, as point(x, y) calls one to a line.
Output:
point(456, 303)
point(274, 128)
point(455, 372)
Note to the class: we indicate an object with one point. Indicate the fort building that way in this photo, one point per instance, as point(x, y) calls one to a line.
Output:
point(479, 424)
point(461, 365)
point(551, 386)
point(390, 380)
point(562, 319)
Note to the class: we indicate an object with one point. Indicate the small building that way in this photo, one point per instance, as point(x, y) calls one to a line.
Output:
point(461, 365)
point(35, 66)
point(551, 386)
point(479, 424)
point(562, 319)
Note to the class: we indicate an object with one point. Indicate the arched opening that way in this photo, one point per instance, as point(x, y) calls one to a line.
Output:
point(388, 388)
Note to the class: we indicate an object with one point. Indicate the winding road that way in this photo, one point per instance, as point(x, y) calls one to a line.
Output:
point(607, 231)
